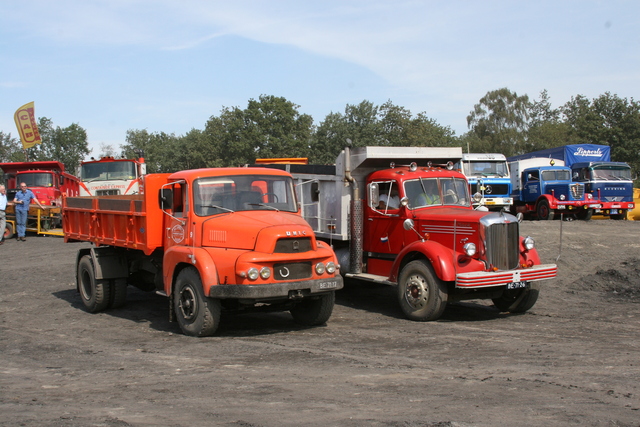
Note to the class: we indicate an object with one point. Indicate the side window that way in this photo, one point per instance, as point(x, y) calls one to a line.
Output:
point(179, 202)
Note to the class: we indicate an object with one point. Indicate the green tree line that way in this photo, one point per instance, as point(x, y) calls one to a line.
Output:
point(502, 122)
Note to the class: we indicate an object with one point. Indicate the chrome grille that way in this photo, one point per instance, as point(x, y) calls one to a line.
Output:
point(502, 245)
point(577, 191)
point(292, 271)
point(292, 246)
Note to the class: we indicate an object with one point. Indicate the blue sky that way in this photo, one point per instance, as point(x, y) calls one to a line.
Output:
point(167, 66)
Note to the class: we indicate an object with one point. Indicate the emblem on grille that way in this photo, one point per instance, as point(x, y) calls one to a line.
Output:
point(296, 245)
point(488, 189)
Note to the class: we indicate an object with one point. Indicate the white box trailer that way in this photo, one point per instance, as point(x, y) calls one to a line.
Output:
point(518, 166)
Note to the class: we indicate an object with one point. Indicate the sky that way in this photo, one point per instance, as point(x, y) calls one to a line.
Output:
point(168, 66)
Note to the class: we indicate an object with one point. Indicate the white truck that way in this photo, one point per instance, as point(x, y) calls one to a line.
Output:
point(488, 174)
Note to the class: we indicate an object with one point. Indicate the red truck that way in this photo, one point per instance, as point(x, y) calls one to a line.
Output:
point(430, 243)
point(49, 183)
point(211, 240)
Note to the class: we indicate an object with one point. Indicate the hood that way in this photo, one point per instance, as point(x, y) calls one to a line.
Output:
point(242, 230)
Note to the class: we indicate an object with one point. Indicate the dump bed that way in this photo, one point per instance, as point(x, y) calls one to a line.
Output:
point(131, 221)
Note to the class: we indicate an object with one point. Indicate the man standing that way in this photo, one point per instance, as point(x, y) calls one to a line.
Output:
point(22, 201)
point(3, 215)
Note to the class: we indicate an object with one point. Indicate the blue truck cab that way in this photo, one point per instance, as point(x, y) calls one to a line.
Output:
point(488, 174)
point(608, 182)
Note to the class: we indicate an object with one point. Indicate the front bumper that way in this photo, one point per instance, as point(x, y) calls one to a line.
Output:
point(483, 279)
point(284, 290)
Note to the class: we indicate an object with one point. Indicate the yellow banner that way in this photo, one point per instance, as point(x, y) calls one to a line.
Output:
point(27, 127)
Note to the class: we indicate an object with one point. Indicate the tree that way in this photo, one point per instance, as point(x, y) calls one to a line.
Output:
point(10, 149)
point(501, 118)
point(159, 149)
point(546, 128)
point(67, 145)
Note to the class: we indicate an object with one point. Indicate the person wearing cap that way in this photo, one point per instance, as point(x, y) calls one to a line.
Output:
point(22, 201)
point(3, 215)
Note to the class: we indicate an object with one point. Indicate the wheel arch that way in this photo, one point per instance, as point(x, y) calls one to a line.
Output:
point(178, 258)
point(437, 256)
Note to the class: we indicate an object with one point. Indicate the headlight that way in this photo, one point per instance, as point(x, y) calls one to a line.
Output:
point(253, 273)
point(562, 197)
point(320, 268)
point(265, 273)
point(331, 267)
point(470, 249)
point(529, 243)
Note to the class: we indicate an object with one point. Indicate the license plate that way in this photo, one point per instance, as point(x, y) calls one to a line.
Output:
point(613, 211)
point(328, 285)
point(516, 285)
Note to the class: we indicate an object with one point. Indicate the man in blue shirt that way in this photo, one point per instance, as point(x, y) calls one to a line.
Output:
point(3, 215)
point(21, 202)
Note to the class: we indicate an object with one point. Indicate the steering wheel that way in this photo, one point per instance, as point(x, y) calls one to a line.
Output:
point(275, 196)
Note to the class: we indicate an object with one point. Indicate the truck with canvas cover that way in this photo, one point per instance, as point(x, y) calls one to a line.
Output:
point(49, 183)
point(211, 240)
point(609, 183)
point(488, 174)
point(402, 216)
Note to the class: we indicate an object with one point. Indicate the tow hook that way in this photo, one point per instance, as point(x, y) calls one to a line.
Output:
point(296, 294)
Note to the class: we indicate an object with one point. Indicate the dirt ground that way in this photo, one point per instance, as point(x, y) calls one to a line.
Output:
point(574, 359)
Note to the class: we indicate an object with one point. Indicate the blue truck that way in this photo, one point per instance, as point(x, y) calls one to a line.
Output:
point(609, 183)
point(488, 174)
point(546, 191)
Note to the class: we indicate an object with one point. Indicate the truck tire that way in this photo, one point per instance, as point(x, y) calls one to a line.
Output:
point(543, 211)
point(314, 311)
point(94, 293)
point(118, 292)
point(584, 214)
point(8, 231)
point(198, 316)
point(518, 300)
point(422, 295)
point(619, 216)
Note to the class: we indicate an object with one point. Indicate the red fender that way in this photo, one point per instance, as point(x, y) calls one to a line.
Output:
point(440, 257)
point(197, 257)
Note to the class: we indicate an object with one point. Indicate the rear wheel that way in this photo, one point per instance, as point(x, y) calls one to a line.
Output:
point(118, 293)
point(8, 231)
point(313, 312)
point(93, 292)
point(585, 214)
point(421, 294)
point(197, 315)
point(544, 212)
point(518, 300)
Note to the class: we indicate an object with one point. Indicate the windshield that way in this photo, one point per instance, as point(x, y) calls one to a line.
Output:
point(105, 171)
point(437, 191)
point(36, 179)
point(215, 195)
point(612, 173)
point(485, 168)
point(556, 175)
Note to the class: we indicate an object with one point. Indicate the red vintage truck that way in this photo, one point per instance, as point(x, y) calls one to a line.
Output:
point(211, 240)
point(430, 243)
point(49, 183)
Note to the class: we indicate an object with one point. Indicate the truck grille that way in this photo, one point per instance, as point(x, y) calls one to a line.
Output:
point(502, 245)
point(292, 271)
point(111, 192)
point(496, 189)
point(577, 191)
point(292, 246)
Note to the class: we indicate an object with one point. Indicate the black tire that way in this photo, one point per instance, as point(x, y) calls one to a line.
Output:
point(314, 311)
point(422, 295)
point(543, 211)
point(94, 293)
point(584, 214)
point(198, 316)
point(8, 231)
point(619, 216)
point(118, 293)
point(518, 300)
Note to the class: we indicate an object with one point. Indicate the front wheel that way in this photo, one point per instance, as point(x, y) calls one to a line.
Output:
point(585, 214)
point(8, 231)
point(619, 216)
point(422, 295)
point(95, 294)
point(198, 316)
point(544, 212)
point(518, 300)
point(313, 312)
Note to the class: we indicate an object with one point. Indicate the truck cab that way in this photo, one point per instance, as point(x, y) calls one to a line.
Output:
point(488, 174)
point(608, 182)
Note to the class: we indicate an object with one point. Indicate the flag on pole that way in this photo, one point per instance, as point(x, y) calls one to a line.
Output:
point(27, 127)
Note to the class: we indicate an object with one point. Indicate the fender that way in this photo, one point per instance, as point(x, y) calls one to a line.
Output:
point(550, 199)
point(440, 257)
point(197, 257)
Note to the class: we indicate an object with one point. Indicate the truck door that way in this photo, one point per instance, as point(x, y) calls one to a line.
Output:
point(531, 186)
point(176, 208)
point(383, 232)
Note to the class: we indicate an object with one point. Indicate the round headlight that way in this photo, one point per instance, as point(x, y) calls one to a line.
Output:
point(529, 243)
point(265, 273)
point(562, 197)
point(470, 249)
point(253, 273)
point(319, 268)
point(331, 267)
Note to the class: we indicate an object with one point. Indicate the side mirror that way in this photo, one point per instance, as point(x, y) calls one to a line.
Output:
point(374, 195)
point(166, 199)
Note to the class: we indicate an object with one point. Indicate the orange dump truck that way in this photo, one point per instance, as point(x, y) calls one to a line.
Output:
point(211, 240)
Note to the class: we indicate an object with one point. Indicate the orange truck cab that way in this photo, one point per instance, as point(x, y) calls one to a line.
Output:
point(211, 240)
